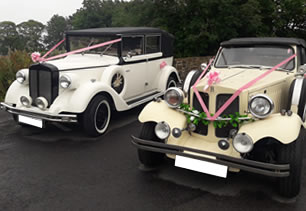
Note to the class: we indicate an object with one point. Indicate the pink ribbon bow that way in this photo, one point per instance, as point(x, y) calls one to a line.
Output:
point(213, 78)
point(35, 57)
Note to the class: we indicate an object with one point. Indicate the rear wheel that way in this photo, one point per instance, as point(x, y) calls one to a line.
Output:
point(97, 116)
point(149, 158)
point(291, 154)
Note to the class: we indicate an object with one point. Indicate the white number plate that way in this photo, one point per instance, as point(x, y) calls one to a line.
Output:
point(30, 121)
point(201, 166)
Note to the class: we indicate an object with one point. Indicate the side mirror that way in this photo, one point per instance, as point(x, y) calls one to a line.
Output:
point(203, 66)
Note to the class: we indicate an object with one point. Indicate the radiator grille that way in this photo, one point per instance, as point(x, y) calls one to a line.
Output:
point(231, 109)
point(43, 82)
point(201, 128)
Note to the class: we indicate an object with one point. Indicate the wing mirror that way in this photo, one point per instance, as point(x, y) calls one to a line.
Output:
point(203, 66)
point(301, 70)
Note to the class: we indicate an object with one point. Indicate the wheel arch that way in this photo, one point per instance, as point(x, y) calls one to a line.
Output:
point(165, 74)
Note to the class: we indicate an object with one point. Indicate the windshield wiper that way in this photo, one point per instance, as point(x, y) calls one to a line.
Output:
point(244, 66)
point(270, 67)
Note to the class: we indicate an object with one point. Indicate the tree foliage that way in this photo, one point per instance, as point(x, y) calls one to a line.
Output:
point(55, 29)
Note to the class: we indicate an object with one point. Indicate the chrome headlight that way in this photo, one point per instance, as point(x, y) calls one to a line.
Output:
point(174, 97)
point(41, 103)
point(243, 143)
point(162, 130)
point(26, 101)
point(65, 81)
point(261, 106)
point(21, 76)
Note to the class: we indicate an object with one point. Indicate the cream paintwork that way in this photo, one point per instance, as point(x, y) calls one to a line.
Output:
point(275, 126)
point(275, 85)
point(88, 82)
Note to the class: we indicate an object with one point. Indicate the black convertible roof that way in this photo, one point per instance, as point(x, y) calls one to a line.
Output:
point(264, 41)
point(117, 31)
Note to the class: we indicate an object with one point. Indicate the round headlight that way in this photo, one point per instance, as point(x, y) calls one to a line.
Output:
point(26, 101)
point(243, 143)
point(174, 97)
point(20, 77)
point(261, 106)
point(41, 103)
point(65, 81)
point(162, 130)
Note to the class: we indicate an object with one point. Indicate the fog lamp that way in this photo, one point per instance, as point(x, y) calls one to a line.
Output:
point(162, 130)
point(41, 103)
point(26, 101)
point(243, 143)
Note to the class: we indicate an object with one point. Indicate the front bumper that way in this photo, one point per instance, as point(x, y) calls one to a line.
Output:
point(71, 118)
point(267, 169)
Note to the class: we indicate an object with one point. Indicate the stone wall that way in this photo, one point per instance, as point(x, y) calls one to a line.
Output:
point(184, 65)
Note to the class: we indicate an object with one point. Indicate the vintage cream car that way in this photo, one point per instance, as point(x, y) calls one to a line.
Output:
point(86, 87)
point(247, 113)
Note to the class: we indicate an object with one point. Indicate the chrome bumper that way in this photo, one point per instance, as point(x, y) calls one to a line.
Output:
point(71, 118)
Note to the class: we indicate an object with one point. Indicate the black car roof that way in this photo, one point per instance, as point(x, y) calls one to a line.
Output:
point(117, 31)
point(264, 41)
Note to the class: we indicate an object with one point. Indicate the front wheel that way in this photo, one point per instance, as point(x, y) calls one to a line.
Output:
point(172, 82)
point(145, 157)
point(292, 154)
point(97, 116)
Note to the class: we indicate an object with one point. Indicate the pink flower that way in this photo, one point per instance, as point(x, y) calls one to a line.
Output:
point(35, 57)
point(213, 78)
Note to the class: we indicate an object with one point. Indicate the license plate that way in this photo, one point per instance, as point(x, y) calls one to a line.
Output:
point(30, 121)
point(201, 166)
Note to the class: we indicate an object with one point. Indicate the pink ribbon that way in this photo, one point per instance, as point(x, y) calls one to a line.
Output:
point(236, 94)
point(36, 56)
point(213, 78)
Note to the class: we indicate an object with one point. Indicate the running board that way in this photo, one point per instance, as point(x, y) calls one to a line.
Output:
point(144, 99)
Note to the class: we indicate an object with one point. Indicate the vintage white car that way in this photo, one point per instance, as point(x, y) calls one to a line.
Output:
point(86, 87)
point(244, 111)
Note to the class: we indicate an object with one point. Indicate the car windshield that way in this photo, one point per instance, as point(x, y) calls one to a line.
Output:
point(255, 57)
point(78, 42)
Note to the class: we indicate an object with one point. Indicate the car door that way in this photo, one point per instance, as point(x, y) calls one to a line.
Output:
point(154, 60)
point(134, 66)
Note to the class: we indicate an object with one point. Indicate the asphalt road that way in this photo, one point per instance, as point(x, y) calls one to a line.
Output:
point(59, 168)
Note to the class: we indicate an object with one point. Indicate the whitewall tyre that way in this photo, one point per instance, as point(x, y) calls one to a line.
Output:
point(97, 115)
point(172, 82)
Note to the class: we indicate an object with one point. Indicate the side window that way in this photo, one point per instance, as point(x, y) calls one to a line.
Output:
point(132, 46)
point(152, 44)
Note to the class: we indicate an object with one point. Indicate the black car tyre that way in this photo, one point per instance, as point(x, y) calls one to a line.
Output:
point(97, 116)
point(172, 82)
point(149, 158)
point(291, 154)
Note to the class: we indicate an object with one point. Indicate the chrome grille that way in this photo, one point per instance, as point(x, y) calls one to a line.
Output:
point(43, 82)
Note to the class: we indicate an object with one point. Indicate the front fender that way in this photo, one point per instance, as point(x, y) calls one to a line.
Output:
point(15, 91)
point(76, 101)
point(285, 129)
point(166, 72)
point(159, 111)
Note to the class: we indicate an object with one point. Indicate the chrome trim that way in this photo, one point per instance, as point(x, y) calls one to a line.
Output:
point(267, 98)
point(219, 118)
point(71, 118)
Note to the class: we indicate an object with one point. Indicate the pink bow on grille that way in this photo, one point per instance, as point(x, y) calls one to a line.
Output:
point(213, 78)
point(35, 57)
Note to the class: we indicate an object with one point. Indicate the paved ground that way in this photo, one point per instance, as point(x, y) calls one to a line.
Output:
point(62, 169)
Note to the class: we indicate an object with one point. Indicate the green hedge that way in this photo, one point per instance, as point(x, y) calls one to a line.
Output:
point(9, 65)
